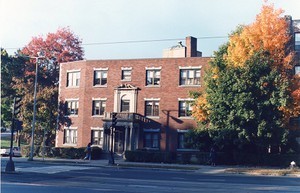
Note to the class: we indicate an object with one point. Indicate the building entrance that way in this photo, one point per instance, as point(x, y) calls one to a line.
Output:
point(119, 140)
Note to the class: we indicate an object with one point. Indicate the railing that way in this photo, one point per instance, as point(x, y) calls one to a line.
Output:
point(126, 117)
point(120, 116)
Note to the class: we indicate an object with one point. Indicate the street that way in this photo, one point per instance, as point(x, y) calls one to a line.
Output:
point(79, 177)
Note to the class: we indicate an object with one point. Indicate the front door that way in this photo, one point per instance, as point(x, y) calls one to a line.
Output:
point(119, 141)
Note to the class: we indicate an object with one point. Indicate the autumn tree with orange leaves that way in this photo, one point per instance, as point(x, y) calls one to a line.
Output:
point(248, 96)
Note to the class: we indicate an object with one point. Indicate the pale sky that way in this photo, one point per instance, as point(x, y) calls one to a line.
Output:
point(110, 21)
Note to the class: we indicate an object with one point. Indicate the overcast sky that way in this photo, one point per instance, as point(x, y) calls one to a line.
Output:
point(111, 21)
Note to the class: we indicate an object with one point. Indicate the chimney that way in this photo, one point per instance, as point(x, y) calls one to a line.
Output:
point(191, 46)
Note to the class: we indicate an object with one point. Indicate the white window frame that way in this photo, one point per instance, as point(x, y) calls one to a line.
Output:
point(189, 108)
point(190, 76)
point(72, 104)
point(100, 137)
point(102, 104)
point(154, 101)
point(70, 136)
point(73, 78)
point(103, 75)
point(153, 76)
point(124, 76)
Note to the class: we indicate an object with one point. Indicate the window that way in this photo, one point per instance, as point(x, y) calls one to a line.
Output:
point(100, 77)
point(297, 41)
point(73, 79)
point(152, 108)
point(125, 105)
point(70, 136)
point(98, 107)
point(190, 77)
point(97, 137)
point(71, 107)
point(151, 139)
point(152, 77)
point(297, 70)
point(181, 139)
point(185, 108)
point(126, 75)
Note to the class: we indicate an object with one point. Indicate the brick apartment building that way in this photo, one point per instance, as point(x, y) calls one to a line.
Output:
point(149, 96)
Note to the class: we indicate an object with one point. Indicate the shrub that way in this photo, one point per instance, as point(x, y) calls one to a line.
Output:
point(202, 157)
point(66, 152)
point(149, 156)
point(185, 157)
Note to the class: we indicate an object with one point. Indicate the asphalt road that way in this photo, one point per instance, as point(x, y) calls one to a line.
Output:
point(77, 178)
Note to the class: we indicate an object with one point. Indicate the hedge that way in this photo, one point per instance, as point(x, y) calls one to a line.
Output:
point(235, 158)
point(65, 152)
point(150, 156)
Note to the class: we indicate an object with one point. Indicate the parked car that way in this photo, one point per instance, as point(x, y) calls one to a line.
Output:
point(16, 152)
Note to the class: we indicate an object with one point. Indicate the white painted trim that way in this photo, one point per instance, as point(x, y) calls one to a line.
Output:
point(73, 128)
point(186, 99)
point(190, 67)
point(74, 70)
point(126, 68)
point(100, 99)
point(152, 99)
point(72, 99)
point(97, 128)
point(100, 68)
point(153, 68)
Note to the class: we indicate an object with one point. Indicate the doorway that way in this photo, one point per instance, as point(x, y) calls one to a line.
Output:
point(119, 140)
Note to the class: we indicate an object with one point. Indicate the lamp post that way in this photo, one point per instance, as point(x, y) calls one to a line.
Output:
point(40, 55)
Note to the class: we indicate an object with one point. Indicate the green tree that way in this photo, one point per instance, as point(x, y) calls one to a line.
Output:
point(11, 68)
point(244, 105)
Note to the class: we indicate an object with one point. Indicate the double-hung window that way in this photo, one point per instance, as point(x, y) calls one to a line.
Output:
point(185, 108)
point(97, 137)
point(70, 136)
point(98, 107)
point(125, 105)
point(72, 107)
point(126, 75)
point(190, 77)
point(152, 108)
point(73, 78)
point(100, 77)
point(151, 138)
point(152, 77)
point(297, 70)
point(297, 42)
point(181, 139)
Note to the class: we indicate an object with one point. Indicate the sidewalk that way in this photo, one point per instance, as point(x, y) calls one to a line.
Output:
point(205, 169)
point(124, 164)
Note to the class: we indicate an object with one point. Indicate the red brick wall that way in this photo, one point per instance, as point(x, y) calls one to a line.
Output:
point(169, 91)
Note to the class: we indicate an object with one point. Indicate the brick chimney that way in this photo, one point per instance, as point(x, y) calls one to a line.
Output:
point(191, 46)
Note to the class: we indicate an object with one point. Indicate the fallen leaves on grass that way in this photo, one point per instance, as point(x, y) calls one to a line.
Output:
point(260, 171)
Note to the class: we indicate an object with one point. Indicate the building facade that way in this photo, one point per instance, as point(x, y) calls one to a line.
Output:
point(145, 102)
point(134, 104)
